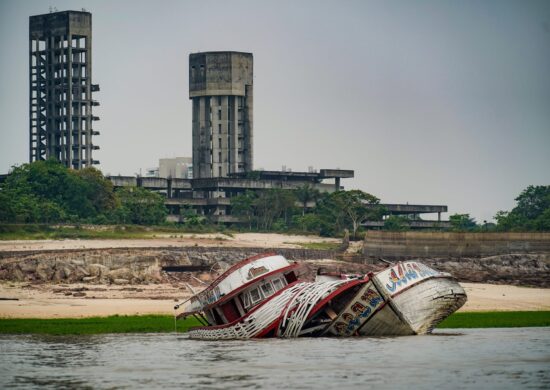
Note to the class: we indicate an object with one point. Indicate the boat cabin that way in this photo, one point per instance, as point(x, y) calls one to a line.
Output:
point(243, 287)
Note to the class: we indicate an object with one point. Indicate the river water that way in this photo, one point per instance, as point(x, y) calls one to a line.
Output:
point(463, 358)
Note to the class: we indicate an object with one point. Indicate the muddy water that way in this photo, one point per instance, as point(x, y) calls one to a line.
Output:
point(493, 358)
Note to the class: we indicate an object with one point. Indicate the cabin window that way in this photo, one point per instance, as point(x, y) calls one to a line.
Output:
point(255, 295)
point(277, 284)
point(246, 300)
point(267, 289)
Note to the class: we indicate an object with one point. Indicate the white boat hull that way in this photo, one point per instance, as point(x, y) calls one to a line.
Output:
point(408, 298)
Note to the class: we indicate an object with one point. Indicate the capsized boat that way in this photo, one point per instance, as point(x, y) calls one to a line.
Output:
point(265, 296)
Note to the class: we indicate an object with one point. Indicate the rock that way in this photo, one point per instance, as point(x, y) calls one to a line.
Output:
point(97, 269)
point(121, 281)
point(79, 294)
point(17, 275)
point(44, 271)
point(28, 265)
point(89, 278)
point(120, 273)
point(58, 276)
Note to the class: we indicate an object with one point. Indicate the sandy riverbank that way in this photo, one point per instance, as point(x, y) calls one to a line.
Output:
point(245, 240)
point(50, 302)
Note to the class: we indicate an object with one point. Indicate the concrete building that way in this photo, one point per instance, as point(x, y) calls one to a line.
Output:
point(221, 89)
point(176, 168)
point(60, 101)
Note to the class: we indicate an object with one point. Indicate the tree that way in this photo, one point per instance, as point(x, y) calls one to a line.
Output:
point(272, 204)
point(99, 190)
point(532, 212)
point(462, 222)
point(140, 206)
point(306, 194)
point(396, 223)
point(354, 205)
point(242, 205)
point(347, 209)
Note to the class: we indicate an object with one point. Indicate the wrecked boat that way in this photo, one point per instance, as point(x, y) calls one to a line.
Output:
point(264, 296)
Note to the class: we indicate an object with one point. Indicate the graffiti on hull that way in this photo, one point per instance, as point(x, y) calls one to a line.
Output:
point(362, 307)
point(405, 275)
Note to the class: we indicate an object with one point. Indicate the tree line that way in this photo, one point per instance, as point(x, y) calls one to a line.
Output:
point(306, 209)
point(531, 214)
point(48, 192)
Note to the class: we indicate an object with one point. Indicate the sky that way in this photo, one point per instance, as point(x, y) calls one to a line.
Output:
point(430, 102)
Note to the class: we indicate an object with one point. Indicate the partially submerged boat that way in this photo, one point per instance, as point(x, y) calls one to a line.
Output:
point(264, 296)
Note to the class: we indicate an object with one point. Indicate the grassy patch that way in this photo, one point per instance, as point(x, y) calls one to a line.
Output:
point(95, 325)
point(500, 319)
point(164, 323)
point(57, 232)
point(326, 246)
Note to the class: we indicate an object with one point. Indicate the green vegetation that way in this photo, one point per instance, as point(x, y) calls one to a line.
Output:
point(165, 323)
point(116, 232)
point(288, 211)
point(96, 325)
point(48, 192)
point(500, 319)
point(532, 212)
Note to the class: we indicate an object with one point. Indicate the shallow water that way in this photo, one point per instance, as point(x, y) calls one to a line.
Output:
point(481, 358)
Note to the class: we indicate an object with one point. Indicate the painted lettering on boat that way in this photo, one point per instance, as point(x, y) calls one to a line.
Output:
point(363, 306)
point(256, 271)
point(405, 274)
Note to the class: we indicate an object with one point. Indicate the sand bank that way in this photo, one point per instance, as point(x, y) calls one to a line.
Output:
point(246, 240)
point(51, 302)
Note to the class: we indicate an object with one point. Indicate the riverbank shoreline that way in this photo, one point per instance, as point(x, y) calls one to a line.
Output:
point(48, 301)
point(167, 324)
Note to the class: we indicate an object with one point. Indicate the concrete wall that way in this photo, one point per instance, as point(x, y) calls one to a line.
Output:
point(393, 245)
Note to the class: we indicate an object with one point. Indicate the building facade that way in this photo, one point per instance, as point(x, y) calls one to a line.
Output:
point(221, 90)
point(176, 168)
point(60, 101)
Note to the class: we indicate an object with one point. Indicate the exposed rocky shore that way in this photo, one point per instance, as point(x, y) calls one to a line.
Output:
point(123, 266)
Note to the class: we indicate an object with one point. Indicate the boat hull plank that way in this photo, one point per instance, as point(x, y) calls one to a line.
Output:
point(386, 323)
point(426, 304)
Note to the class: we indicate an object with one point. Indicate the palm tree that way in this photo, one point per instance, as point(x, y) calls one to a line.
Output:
point(305, 194)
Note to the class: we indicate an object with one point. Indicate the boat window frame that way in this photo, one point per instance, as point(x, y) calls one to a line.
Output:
point(266, 294)
point(260, 295)
point(245, 299)
point(281, 284)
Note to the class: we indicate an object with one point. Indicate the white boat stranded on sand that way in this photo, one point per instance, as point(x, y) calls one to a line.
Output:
point(263, 296)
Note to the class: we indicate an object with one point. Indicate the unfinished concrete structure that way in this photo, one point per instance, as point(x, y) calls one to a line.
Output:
point(221, 88)
point(60, 101)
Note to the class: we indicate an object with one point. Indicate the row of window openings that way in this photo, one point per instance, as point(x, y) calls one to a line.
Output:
point(58, 43)
point(77, 111)
point(62, 125)
point(265, 290)
point(240, 116)
point(220, 144)
point(62, 122)
point(60, 58)
point(61, 97)
point(78, 72)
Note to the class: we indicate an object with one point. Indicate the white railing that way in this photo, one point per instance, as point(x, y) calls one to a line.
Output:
point(294, 304)
point(254, 323)
point(301, 304)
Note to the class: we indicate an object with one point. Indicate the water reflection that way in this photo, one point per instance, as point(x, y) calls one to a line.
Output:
point(504, 358)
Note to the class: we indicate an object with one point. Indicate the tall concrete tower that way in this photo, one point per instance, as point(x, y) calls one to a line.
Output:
point(60, 69)
point(220, 86)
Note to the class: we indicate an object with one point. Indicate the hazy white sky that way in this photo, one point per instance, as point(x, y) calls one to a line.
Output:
point(435, 102)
